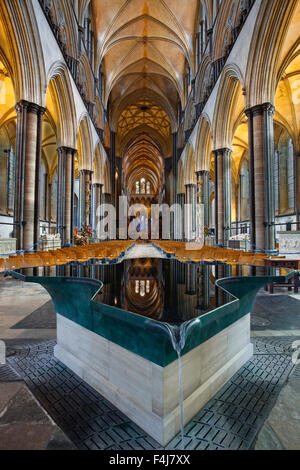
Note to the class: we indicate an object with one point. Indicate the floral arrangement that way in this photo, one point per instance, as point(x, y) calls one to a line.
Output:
point(82, 238)
point(206, 231)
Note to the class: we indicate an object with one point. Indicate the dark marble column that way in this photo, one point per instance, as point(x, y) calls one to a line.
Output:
point(222, 194)
point(65, 194)
point(40, 114)
point(113, 167)
point(261, 168)
point(96, 202)
point(190, 212)
point(179, 226)
point(203, 193)
point(85, 177)
point(297, 189)
point(174, 183)
point(28, 157)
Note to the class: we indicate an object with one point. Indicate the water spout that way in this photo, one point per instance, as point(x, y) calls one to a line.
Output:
point(177, 335)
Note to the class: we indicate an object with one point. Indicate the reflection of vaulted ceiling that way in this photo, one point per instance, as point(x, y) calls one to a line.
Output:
point(143, 160)
point(144, 46)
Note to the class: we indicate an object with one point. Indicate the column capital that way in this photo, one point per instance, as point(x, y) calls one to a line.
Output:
point(30, 107)
point(222, 152)
point(259, 109)
point(66, 150)
point(202, 172)
point(86, 172)
point(190, 185)
point(97, 185)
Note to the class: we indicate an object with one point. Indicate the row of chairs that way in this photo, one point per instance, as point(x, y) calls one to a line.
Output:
point(211, 254)
point(105, 251)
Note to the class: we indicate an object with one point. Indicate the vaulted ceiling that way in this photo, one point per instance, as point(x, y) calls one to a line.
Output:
point(144, 46)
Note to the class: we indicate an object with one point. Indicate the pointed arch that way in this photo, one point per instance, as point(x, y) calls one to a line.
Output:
point(60, 88)
point(203, 150)
point(229, 104)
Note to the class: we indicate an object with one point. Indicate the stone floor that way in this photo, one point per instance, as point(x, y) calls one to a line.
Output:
point(259, 408)
point(24, 423)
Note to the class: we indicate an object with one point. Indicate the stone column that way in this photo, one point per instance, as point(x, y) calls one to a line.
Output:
point(222, 194)
point(203, 193)
point(37, 231)
point(113, 167)
point(49, 200)
point(261, 166)
point(174, 183)
point(28, 156)
point(65, 194)
point(96, 202)
point(190, 213)
point(180, 217)
point(85, 177)
point(297, 189)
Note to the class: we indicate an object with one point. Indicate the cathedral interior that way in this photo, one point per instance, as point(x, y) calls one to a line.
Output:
point(170, 102)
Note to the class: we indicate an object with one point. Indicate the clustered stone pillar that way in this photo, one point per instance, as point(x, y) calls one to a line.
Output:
point(261, 171)
point(174, 183)
point(113, 168)
point(96, 202)
point(179, 221)
point(190, 212)
point(65, 194)
point(203, 197)
point(28, 158)
point(222, 194)
point(85, 177)
point(297, 189)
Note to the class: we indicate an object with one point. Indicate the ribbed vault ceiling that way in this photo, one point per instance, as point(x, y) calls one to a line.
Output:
point(144, 45)
point(144, 113)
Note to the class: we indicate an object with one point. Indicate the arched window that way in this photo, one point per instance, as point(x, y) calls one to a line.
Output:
point(143, 186)
point(137, 187)
point(148, 187)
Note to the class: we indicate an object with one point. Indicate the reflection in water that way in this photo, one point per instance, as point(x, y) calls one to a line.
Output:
point(161, 289)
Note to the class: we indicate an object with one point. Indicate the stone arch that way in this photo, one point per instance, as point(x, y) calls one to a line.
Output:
point(85, 144)
point(21, 44)
point(271, 39)
point(180, 178)
point(86, 82)
point(203, 149)
point(107, 184)
point(229, 104)
point(60, 88)
point(98, 165)
point(189, 166)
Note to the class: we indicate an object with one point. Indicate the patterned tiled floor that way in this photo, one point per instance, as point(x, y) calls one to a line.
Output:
point(230, 420)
